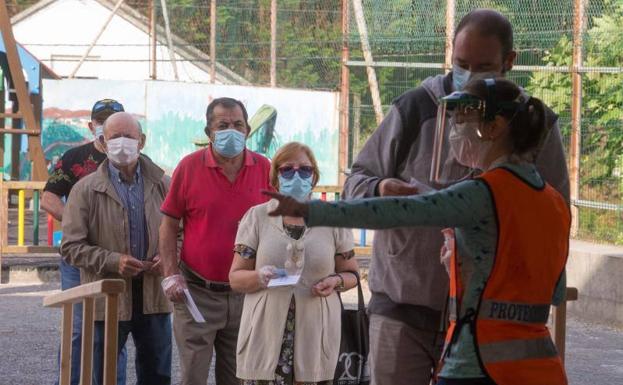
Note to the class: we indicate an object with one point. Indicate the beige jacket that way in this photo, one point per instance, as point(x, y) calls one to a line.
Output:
point(95, 234)
point(318, 320)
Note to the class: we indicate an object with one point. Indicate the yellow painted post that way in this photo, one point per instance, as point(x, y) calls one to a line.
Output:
point(20, 217)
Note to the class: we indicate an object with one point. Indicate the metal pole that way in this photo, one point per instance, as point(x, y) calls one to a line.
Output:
point(213, 41)
point(99, 34)
point(165, 15)
point(273, 43)
point(576, 111)
point(152, 40)
point(450, 15)
point(344, 93)
point(367, 55)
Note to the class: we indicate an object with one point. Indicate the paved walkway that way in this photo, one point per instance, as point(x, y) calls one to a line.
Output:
point(29, 338)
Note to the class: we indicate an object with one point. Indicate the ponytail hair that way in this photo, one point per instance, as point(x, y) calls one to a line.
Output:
point(527, 123)
point(527, 127)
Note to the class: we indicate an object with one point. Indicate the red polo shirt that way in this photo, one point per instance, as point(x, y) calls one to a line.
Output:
point(211, 207)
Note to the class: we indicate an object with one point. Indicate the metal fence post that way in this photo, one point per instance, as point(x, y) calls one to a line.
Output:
point(576, 111)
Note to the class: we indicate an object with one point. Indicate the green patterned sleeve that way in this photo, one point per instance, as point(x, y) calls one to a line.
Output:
point(457, 206)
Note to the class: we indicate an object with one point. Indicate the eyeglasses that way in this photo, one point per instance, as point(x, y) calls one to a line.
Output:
point(303, 171)
point(107, 104)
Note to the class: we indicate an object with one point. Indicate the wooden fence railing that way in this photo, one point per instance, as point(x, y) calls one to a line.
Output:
point(110, 288)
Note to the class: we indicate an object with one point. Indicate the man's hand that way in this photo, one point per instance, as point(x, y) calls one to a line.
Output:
point(394, 187)
point(155, 266)
point(173, 287)
point(130, 266)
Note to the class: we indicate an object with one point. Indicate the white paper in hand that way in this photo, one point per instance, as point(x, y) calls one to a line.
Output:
point(288, 280)
point(192, 307)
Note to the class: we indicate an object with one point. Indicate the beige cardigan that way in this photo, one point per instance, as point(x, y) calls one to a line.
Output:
point(318, 319)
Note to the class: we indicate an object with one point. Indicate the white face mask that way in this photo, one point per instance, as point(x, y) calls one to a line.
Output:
point(468, 149)
point(122, 151)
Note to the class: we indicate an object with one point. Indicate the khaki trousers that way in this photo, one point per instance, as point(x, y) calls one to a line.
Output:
point(400, 354)
point(195, 341)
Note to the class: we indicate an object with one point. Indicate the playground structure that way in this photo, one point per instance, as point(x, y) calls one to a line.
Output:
point(26, 112)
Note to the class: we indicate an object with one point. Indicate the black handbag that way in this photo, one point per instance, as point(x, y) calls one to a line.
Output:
point(352, 363)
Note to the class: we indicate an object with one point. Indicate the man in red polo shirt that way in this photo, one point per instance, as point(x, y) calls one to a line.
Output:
point(210, 191)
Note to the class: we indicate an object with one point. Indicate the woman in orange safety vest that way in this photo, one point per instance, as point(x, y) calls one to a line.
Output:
point(510, 230)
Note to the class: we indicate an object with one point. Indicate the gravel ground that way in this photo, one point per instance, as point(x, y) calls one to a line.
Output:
point(29, 338)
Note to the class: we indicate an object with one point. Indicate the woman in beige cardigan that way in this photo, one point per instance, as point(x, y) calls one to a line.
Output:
point(290, 334)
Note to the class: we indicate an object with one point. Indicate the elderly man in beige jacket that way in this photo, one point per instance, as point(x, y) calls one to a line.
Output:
point(110, 230)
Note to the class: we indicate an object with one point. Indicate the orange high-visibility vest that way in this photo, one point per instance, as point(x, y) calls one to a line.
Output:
point(513, 343)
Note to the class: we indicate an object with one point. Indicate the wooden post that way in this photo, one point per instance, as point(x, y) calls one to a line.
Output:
point(576, 111)
point(560, 321)
point(88, 316)
point(367, 55)
point(450, 16)
point(344, 95)
point(356, 123)
point(273, 43)
point(16, 140)
point(99, 34)
point(111, 339)
point(212, 41)
point(153, 74)
point(167, 28)
point(67, 326)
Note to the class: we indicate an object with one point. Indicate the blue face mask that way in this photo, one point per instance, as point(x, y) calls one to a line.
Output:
point(296, 187)
point(461, 76)
point(229, 143)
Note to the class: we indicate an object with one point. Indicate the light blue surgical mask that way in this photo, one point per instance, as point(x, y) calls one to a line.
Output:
point(296, 187)
point(229, 143)
point(99, 131)
point(461, 76)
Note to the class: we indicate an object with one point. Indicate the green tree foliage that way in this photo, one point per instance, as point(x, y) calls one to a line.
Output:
point(602, 99)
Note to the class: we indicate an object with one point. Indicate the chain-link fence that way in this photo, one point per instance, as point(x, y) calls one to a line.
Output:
point(407, 43)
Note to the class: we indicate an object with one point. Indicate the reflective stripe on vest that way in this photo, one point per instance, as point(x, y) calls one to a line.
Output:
point(452, 308)
point(513, 350)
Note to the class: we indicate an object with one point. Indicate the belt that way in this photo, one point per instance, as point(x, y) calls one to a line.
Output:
point(213, 286)
point(196, 279)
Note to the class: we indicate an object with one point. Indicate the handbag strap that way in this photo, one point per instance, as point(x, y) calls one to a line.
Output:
point(360, 302)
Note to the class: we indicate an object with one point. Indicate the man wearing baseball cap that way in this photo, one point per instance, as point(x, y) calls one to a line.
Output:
point(75, 164)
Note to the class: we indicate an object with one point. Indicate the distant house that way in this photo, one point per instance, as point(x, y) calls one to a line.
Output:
point(59, 32)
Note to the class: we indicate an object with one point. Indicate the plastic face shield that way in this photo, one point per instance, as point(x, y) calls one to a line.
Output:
point(454, 110)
